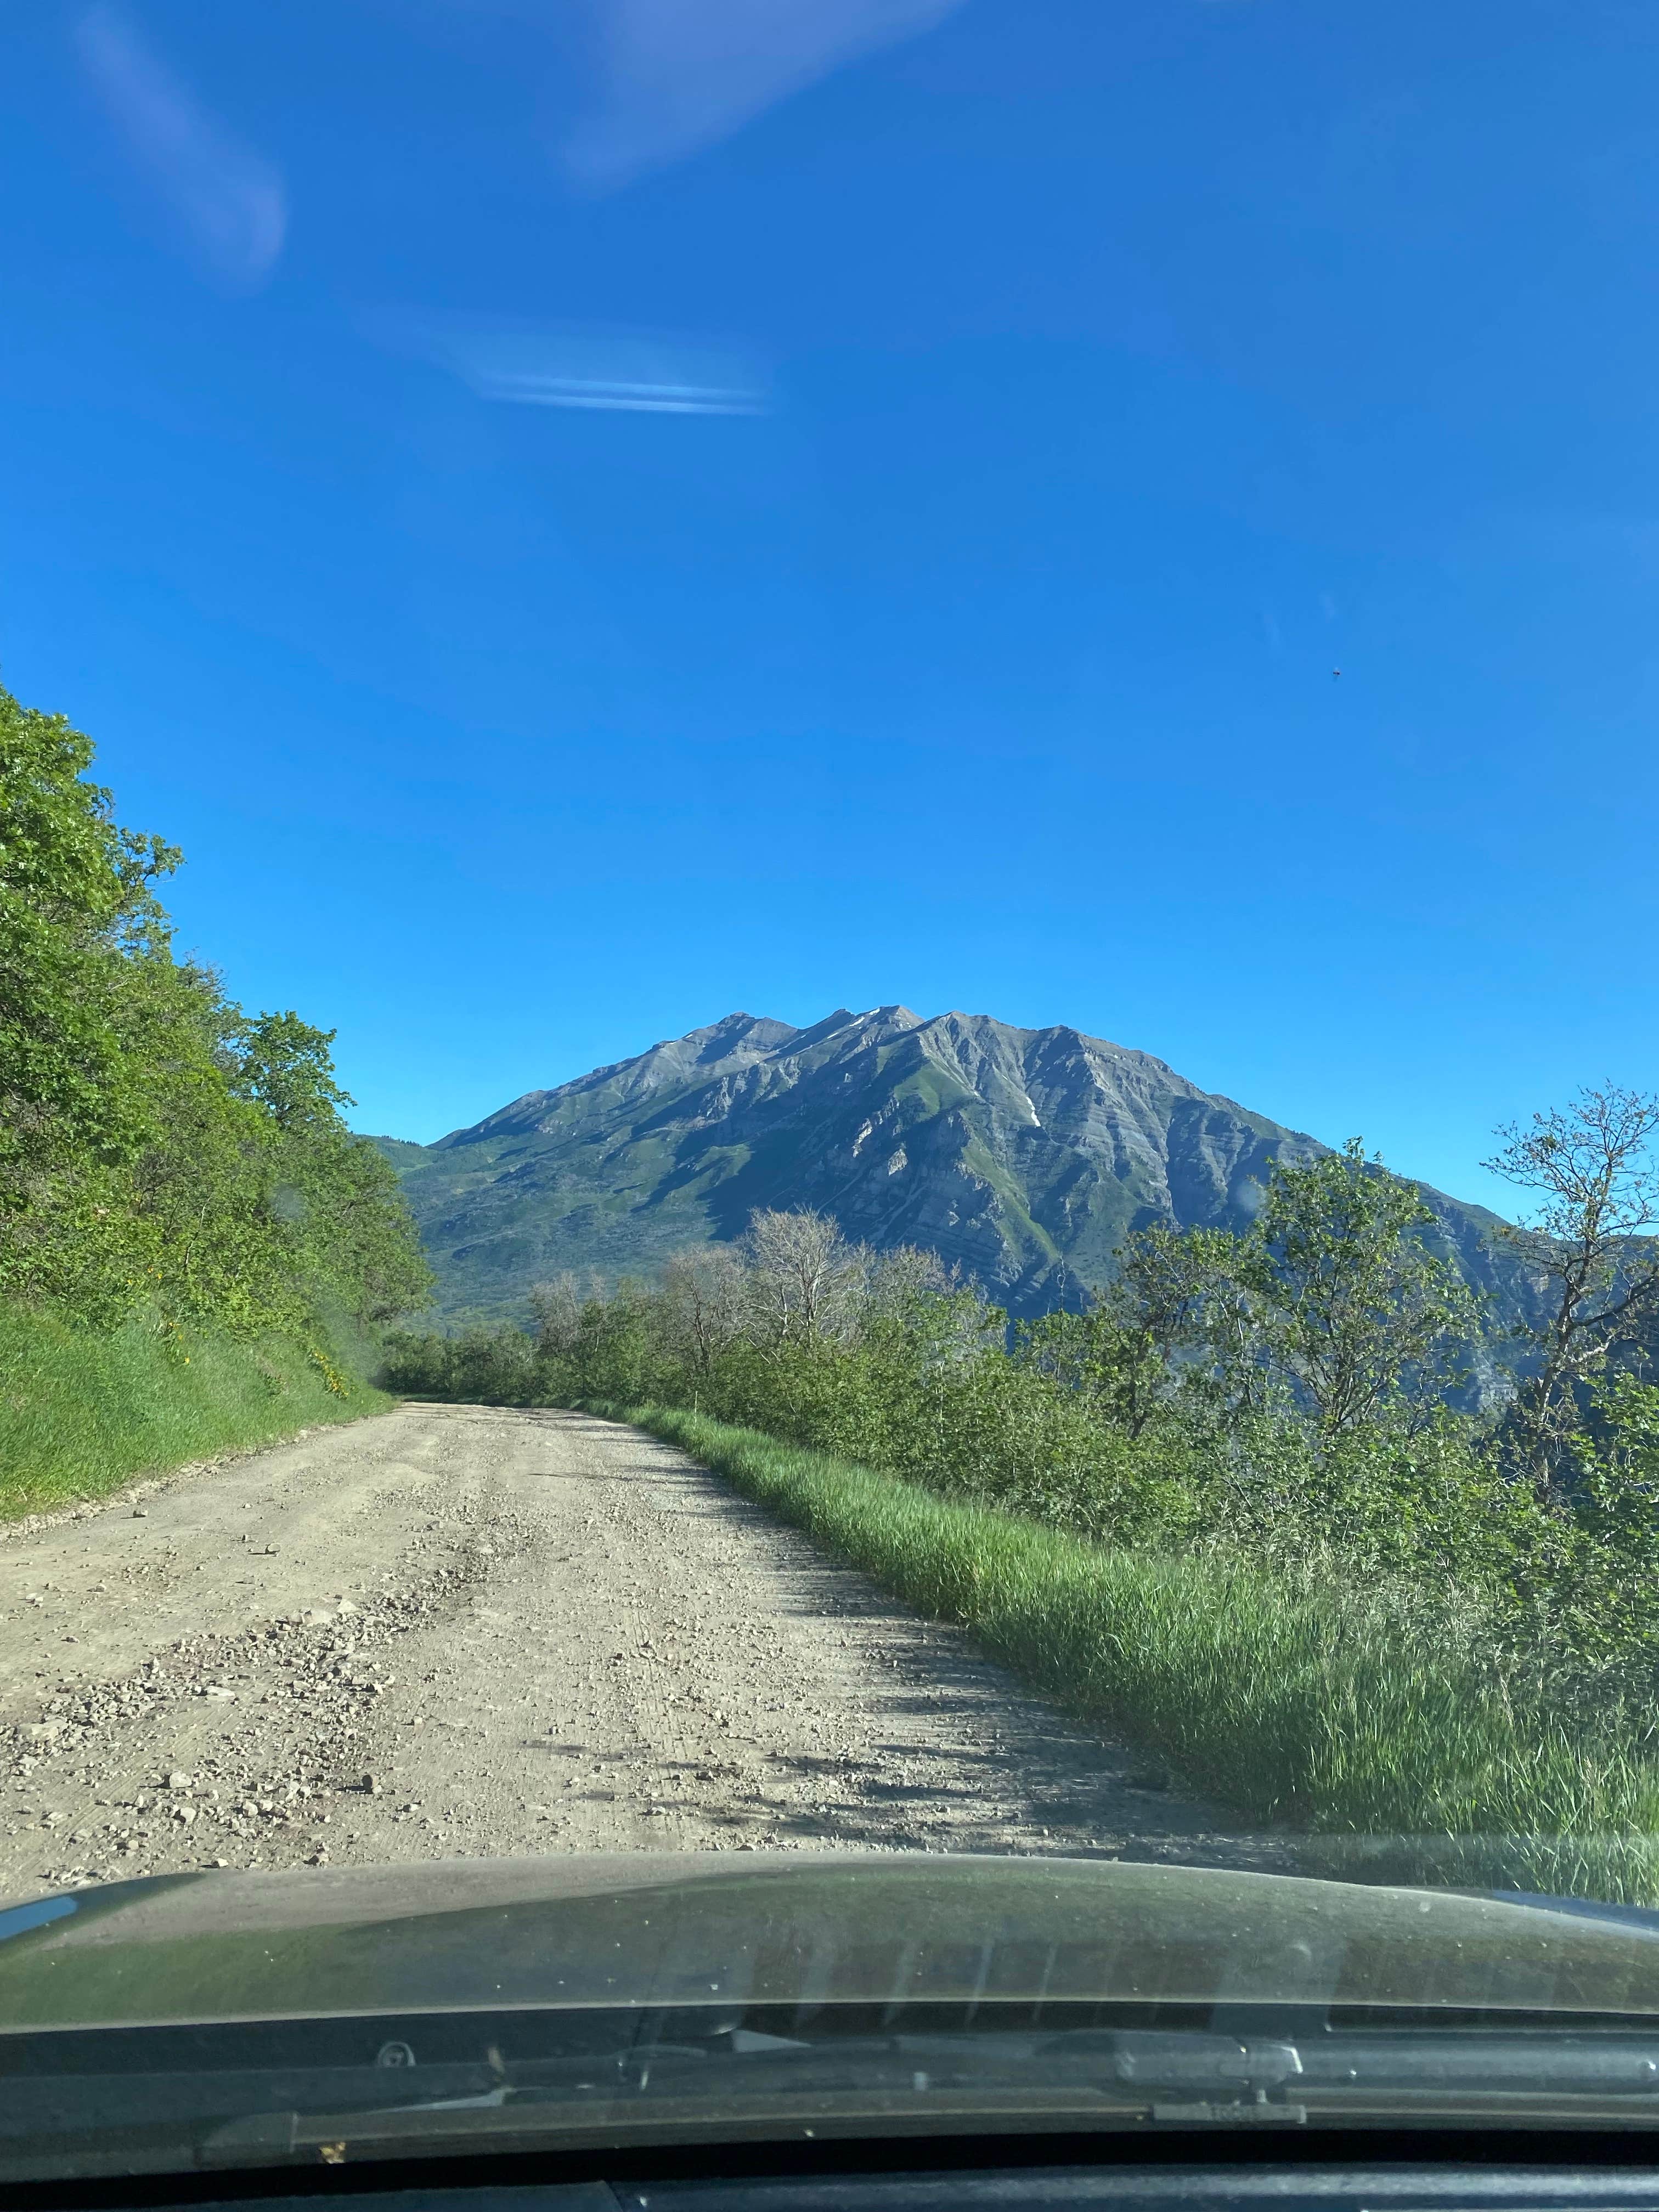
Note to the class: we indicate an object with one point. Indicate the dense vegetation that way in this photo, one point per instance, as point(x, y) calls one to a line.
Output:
point(1230, 1503)
point(169, 1164)
point(82, 1409)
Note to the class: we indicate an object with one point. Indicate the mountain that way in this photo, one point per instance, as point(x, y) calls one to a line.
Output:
point(1025, 1155)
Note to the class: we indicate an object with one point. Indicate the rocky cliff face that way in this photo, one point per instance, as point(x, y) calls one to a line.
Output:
point(1025, 1155)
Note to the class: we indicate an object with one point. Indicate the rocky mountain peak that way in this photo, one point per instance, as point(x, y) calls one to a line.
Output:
point(1022, 1156)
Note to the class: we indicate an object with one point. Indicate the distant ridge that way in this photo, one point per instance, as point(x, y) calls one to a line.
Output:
point(1024, 1156)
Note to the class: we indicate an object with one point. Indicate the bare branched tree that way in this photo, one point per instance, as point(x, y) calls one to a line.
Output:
point(557, 1307)
point(909, 1271)
point(703, 1302)
point(1590, 1243)
point(807, 1283)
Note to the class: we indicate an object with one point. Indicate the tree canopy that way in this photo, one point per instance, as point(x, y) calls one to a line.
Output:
point(161, 1149)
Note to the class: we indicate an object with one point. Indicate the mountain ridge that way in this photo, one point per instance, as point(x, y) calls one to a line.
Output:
point(1022, 1156)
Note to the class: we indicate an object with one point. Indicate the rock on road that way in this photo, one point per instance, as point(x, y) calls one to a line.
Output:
point(457, 1631)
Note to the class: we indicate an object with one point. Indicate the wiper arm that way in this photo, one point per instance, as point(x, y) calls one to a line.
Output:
point(1165, 2078)
point(1197, 2078)
point(731, 2077)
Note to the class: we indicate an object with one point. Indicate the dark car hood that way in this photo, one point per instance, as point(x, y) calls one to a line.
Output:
point(696, 1929)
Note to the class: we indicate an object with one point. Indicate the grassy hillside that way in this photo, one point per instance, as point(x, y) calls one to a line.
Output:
point(81, 1412)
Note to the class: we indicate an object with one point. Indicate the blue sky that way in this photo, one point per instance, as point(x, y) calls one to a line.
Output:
point(1044, 398)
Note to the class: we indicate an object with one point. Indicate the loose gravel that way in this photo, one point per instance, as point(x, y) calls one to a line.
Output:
point(461, 1631)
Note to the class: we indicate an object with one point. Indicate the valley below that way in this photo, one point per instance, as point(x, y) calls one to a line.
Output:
point(459, 1631)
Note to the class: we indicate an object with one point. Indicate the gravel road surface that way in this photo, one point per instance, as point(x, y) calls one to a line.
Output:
point(459, 1631)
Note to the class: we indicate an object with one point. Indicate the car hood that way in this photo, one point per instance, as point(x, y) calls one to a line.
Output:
point(697, 1928)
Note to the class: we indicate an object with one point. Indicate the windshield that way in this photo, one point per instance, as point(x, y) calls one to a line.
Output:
point(825, 859)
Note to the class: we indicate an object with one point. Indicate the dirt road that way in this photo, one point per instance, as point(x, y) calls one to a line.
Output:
point(454, 1631)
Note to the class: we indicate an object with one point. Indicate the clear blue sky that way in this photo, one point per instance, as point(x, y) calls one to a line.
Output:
point(1044, 398)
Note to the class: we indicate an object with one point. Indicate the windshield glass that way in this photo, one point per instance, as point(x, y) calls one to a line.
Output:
point(823, 830)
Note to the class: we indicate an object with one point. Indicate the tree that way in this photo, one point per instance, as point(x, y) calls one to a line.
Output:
point(703, 1295)
point(352, 1234)
point(805, 1281)
point(78, 916)
point(158, 1148)
point(1589, 1245)
point(1177, 1293)
point(347, 1224)
point(613, 1356)
point(905, 1278)
point(1178, 1318)
point(286, 1066)
point(557, 1307)
point(1350, 1303)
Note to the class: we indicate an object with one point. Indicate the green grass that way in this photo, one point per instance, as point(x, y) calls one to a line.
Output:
point(1295, 1703)
point(82, 1412)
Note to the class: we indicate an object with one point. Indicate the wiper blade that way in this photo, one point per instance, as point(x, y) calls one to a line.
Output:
point(582, 2087)
point(1532, 2062)
point(1163, 2079)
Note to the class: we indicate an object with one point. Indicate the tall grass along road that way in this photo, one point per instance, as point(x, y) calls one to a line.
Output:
point(462, 1630)
point(82, 1412)
point(1290, 1698)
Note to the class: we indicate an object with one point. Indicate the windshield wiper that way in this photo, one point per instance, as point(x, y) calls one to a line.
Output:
point(732, 2078)
point(1175, 2079)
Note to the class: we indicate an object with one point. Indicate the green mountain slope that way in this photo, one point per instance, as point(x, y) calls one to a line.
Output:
point(1023, 1155)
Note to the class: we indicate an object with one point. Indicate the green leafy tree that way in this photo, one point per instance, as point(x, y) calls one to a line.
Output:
point(1177, 1316)
point(158, 1148)
point(346, 1224)
point(82, 941)
point(1350, 1304)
